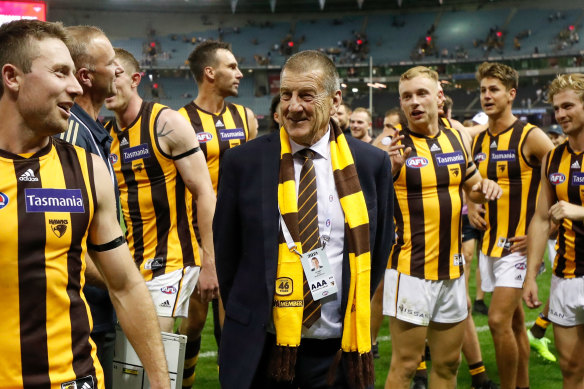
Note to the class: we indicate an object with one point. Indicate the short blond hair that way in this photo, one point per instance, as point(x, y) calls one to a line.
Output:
point(567, 81)
point(419, 71)
point(365, 110)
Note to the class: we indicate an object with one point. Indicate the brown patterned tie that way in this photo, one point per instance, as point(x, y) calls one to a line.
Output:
point(308, 227)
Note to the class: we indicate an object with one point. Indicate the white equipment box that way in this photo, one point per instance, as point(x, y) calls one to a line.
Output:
point(128, 370)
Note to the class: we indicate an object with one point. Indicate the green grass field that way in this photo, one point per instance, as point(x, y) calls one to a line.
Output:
point(543, 375)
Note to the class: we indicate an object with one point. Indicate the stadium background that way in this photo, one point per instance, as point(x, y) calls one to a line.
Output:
point(372, 42)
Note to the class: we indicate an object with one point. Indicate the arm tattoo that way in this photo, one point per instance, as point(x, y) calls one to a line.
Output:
point(161, 132)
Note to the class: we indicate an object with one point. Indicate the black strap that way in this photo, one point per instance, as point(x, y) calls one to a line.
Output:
point(107, 246)
point(187, 153)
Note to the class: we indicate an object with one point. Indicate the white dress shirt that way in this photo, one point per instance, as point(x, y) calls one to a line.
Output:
point(329, 211)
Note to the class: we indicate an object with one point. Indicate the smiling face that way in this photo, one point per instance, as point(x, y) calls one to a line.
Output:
point(419, 99)
point(569, 111)
point(360, 124)
point(227, 73)
point(342, 116)
point(496, 99)
point(305, 106)
point(46, 93)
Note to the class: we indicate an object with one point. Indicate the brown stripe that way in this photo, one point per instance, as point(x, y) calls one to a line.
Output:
point(291, 220)
point(196, 123)
point(32, 286)
point(286, 168)
point(347, 181)
point(358, 238)
point(80, 322)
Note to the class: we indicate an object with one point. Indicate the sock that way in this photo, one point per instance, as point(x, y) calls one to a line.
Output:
point(540, 325)
point(191, 357)
point(422, 371)
point(478, 373)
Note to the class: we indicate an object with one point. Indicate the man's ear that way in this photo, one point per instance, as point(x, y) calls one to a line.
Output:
point(209, 72)
point(136, 79)
point(337, 99)
point(11, 77)
point(84, 77)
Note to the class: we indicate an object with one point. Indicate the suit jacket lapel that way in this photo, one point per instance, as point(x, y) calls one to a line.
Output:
point(270, 224)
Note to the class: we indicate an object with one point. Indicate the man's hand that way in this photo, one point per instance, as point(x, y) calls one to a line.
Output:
point(397, 157)
point(564, 210)
point(519, 244)
point(476, 214)
point(530, 293)
point(208, 285)
point(489, 188)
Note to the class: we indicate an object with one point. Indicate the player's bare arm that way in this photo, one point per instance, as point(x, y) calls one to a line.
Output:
point(177, 138)
point(126, 286)
point(537, 235)
point(251, 123)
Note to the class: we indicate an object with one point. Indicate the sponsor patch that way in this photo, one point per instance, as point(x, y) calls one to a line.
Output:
point(557, 178)
point(235, 133)
point(457, 260)
point(520, 266)
point(165, 304)
point(504, 243)
point(204, 137)
point(53, 200)
point(58, 226)
point(154, 264)
point(577, 179)
point(3, 200)
point(28, 176)
point(81, 383)
point(137, 152)
point(480, 157)
point(168, 289)
point(446, 159)
point(288, 303)
point(113, 158)
point(284, 286)
point(503, 155)
point(416, 162)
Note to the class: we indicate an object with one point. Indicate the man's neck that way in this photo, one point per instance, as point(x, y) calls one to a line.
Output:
point(208, 100)
point(89, 105)
point(431, 129)
point(576, 141)
point(500, 123)
point(366, 139)
point(15, 136)
point(127, 116)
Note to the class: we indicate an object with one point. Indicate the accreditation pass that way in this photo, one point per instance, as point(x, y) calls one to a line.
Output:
point(321, 280)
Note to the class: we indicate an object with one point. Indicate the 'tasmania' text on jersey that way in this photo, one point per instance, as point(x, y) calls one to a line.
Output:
point(47, 202)
point(428, 206)
point(217, 132)
point(500, 158)
point(155, 201)
point(565, 173)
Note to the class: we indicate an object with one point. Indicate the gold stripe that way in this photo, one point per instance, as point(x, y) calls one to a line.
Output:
point(307, 185)
point(306, 214)
point(478, 370)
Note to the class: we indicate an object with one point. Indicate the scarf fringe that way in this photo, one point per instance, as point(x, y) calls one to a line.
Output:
point(359, 369)
point(282, 363)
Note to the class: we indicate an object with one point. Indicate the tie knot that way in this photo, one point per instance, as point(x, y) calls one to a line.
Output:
point(306, 154)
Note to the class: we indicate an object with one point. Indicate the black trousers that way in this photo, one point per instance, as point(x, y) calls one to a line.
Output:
point(314, 360)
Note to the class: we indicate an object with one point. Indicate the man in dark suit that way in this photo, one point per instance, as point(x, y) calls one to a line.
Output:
point(270, 339)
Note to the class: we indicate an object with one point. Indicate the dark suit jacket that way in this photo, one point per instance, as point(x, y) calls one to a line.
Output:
point(245, 230)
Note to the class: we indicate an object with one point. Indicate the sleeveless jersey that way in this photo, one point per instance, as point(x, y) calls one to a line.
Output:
point(217, 132)
point(47, 203)
point(428, 204)
point(565, 173)
point(500, 158)
point(155, 201)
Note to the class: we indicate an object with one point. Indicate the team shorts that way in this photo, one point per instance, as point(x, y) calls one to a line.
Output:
point(171, 292)
point(468, 231)
point(567, 301)
point(551, 245)
point(508, 271)
point(420, 301)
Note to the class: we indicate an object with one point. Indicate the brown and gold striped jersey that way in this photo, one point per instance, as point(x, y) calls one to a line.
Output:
point(500, 158)
point(565, 173)
point(155, 201)
point(428, 205)
point(217, 132)
point(47, 203)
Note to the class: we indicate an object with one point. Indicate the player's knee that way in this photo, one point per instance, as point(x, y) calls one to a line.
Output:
point(446, 368)
point(572, 368)
point(498, 322)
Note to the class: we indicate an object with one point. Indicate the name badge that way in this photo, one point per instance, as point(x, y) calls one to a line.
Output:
point(504, 243)
point(321, 280)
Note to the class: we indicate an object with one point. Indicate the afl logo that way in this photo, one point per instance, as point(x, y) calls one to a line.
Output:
point(113, 158)
point(416, 162)
point(480, 157)
point(204, 137)
point(3, 200)
point(557, 178)
point(168, 290)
